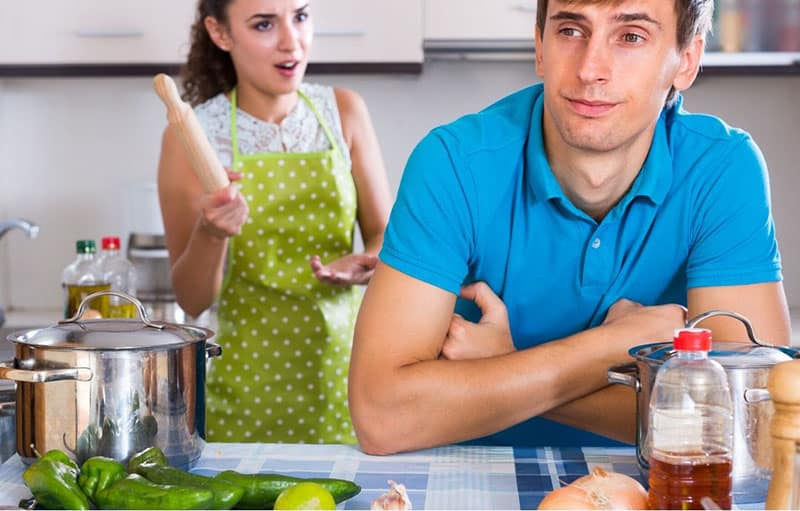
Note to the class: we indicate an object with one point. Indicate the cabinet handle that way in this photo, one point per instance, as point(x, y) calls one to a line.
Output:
point(340, 33)
point(523, 7)
point(100, 34)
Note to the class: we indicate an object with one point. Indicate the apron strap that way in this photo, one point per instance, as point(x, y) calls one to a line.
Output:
point(321, 120)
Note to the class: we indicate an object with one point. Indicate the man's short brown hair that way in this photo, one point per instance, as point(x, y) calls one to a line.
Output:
point(694, 17)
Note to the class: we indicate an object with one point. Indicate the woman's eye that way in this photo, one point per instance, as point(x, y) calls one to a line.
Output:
point(302, 16)
point(262, 26)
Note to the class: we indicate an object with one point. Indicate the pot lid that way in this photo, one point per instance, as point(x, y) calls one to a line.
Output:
point(728, 354)
point(111, 334)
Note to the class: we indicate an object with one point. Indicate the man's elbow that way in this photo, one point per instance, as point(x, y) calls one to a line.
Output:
point(374, 424)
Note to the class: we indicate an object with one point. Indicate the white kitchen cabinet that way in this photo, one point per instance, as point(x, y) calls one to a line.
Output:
point(94, 32)
point(367, 31)
point(479, 20)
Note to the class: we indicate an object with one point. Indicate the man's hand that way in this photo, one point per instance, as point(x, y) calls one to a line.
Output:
point(345, 271)
point(225, 211)
point(659, 320)
point(490, 337)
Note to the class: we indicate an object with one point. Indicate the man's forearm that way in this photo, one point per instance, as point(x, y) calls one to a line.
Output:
point(610, 411)
point(436, 402)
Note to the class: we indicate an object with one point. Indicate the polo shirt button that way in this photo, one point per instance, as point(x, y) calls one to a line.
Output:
point(596, 243)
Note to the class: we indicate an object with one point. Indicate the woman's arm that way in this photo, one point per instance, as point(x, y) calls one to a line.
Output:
point(196, 226)
point(369, 173)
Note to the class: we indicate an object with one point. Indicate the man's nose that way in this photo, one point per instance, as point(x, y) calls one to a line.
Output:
point(595, 62)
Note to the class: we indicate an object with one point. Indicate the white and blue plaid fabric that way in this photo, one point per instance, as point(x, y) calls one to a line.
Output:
point(453, 477)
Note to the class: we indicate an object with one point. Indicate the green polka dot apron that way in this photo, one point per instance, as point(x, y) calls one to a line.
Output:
point(286, 336)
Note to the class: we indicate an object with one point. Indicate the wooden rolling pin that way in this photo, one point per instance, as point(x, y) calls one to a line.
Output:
point(784, 388)
point(201, 155)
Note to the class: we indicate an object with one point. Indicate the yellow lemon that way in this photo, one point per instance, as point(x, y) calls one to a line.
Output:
point(305, 496)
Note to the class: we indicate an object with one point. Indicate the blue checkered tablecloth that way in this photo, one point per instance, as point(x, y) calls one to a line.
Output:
point(452, 477)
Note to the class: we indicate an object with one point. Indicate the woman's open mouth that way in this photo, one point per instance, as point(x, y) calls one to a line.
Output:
point(287, 68)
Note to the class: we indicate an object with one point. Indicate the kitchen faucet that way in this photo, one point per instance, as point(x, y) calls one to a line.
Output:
point(29, 228)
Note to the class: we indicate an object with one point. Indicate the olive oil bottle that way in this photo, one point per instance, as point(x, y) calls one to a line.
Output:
point(80, 279)
point(121, 275)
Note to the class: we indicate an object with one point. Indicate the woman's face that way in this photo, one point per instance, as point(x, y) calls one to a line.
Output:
point(269, 42)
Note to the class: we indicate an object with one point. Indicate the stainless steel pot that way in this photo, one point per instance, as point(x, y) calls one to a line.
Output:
point(111, 387)
point(747, 366)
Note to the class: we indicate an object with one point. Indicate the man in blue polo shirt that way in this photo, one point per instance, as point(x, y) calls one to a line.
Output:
point(564, 224)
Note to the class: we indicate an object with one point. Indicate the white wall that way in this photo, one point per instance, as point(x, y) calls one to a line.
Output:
point(76, 152)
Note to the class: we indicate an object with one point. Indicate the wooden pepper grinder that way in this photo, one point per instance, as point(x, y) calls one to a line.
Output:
point(784, 388)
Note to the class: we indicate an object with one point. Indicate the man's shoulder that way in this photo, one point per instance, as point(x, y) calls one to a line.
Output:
point(702, 129)
point(501, 126)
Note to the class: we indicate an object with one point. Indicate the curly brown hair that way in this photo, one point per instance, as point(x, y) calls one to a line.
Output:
point(208, 69)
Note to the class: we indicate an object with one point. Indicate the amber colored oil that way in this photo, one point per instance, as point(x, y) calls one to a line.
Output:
point(76, 294)
point(679, 482)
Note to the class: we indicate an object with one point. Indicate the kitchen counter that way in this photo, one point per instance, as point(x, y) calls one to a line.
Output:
point(452, 477)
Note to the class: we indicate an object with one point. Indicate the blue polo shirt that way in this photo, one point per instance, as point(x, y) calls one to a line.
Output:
point(479, 202)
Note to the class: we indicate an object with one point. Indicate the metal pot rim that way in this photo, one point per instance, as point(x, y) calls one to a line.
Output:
point(111, 335)
point(731, 355)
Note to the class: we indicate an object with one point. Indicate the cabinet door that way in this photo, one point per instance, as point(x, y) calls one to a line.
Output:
point(478, 19)
point(367, 31)
point(95, 32)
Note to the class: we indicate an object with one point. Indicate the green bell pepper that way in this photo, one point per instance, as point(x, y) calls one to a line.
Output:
point(98, 473)
point(151, 455)
point(226, 495)
point(54, 482)
point(136, 492)
point(60, 457)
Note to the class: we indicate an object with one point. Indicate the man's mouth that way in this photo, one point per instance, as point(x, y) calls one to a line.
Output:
point(590, 108)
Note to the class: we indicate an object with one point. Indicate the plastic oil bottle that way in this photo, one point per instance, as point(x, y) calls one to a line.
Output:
point(690, 432)
point(81, 278)
point(120, 273)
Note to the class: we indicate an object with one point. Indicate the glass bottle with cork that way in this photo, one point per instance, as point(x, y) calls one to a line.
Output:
point(81, 278)
point(120, 273)
point(690, 432)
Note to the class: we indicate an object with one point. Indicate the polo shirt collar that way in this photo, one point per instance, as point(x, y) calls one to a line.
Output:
point(653, 181)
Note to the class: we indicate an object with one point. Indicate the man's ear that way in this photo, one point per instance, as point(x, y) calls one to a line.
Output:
point(218, 33)
point(538, 48)
point(690, 63)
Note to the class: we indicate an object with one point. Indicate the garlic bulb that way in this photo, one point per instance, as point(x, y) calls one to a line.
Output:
point(395, 499)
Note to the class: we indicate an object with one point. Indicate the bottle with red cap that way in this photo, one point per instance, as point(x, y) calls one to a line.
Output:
point(118, 271)
point(690, 428)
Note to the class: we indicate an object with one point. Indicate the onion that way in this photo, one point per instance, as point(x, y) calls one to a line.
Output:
point(598, 490)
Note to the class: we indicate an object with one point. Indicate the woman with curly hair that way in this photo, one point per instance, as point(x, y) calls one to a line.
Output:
point(275, 248)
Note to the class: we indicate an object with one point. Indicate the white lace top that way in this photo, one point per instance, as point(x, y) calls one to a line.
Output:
point(299, 132)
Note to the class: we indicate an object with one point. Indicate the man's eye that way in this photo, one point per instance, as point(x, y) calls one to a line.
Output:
point(569, 32)
point(633, 38)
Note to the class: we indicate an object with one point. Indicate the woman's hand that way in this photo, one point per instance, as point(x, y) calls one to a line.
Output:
point(490, 337)
point(346, 271)
point(225, 211)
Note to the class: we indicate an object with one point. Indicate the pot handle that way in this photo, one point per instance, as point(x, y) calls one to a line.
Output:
point(752, 396)
point(213, 349)
point(625, 374)
point(9, 372)
point(88, 299)
point(721, 312)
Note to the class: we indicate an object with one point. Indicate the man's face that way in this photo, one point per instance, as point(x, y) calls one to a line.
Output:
point(607, 69)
